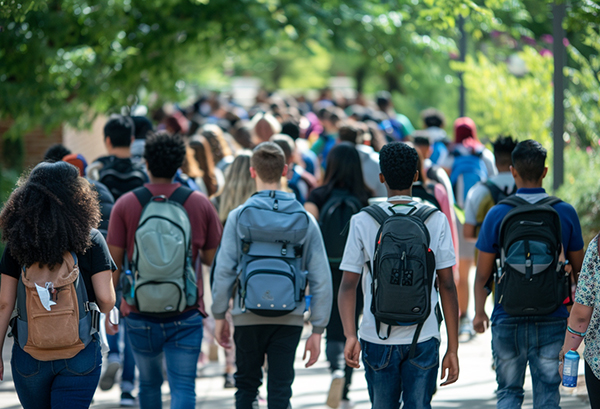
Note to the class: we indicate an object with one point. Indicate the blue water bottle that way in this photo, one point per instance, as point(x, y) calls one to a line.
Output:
point(570, 368)
point(131, 280)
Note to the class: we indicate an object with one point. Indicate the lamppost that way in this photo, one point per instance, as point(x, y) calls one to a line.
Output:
point(558, 48)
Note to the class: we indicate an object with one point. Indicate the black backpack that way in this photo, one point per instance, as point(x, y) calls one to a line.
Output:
point(498, 194)
point(531, 280)
point(426, 193)
point(121, 175)
point(333, 218)
point(403, 269)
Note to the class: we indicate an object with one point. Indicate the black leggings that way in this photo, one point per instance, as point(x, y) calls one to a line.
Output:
point(593, 387)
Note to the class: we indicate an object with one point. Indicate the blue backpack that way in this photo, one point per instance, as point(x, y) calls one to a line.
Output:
point(472, 169)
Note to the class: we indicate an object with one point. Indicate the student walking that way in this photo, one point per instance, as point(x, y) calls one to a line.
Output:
point(271, 252)
point(525, 240)
point(396, 249)
point(164, 229)
point(52, 249)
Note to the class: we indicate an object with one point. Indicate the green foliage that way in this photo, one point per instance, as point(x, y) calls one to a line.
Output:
point(582, 187)
point(8, 180)
point(502, 103)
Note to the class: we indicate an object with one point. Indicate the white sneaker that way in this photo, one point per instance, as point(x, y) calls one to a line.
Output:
point(108, 378)
point(336, 389)
point(346, 404)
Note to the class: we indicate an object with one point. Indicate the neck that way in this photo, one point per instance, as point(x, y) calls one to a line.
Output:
point(160, 181)
point(260, 185)
point(503, 169)
point(121, 152)
point(523, 184)
point(405, 192)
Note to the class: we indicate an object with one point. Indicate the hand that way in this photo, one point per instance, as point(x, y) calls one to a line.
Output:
point(450, 367)
point(352, 352)
point(111, 329)
point(481, 322)
point(223, 334)
point(561, 360)
point(313, 345)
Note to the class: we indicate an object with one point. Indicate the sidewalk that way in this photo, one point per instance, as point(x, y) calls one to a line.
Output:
point(474, 389)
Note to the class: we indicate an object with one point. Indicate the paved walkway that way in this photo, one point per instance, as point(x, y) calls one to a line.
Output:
point(474, 389)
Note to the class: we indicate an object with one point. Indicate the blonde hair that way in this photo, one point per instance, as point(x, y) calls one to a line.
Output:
point(239, 185)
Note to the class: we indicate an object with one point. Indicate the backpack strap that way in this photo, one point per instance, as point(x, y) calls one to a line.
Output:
point(514, 201)
point(495, 191)
point(424, 212)
point(550, 201)
point(143, 194)
point(181, 194)
point(377, 213)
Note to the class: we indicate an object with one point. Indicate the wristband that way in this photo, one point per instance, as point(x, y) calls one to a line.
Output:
point(572, 331)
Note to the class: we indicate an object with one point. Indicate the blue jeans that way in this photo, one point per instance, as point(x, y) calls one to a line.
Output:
point(179, 342)
point(392, 376)
point(128, 363)
point(518, 340)
point(64, 383)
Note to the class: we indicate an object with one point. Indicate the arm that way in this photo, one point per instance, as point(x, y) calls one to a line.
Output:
point(8, 296)
point(485, 268)
point(105, 291)
point(469, 232)
point(312, 209)
point(118, 255)
point(208, 256)
point(449, 300)
point(578, 320)
point(347, 309)
point(576, 261)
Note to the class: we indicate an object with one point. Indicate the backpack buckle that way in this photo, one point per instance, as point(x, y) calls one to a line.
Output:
point(245, 247)
point(284, 249)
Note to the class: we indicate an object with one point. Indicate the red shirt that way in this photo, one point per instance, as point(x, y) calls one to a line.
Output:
point(206, 227)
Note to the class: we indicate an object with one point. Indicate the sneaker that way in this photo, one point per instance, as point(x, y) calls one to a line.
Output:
point(108, 378)
point(229, 381)
point(336, 389)
point(465, 330)
point(346, 404)
point(127, 400)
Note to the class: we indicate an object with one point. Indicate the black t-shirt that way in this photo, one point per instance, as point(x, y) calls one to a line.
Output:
point(95, 260)
point(321, 195)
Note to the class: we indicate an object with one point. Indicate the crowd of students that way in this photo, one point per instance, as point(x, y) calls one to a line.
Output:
point(333, 215)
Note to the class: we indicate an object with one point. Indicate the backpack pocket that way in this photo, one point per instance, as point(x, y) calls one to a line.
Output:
point(529, 257)
point(402, 293)
point(269, 288)
point(154, 297)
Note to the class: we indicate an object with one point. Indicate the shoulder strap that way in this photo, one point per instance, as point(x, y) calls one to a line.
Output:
point(377, 213)
point(143, 194)
point(514, 201)
point(181, 194)
point(550, 201)
point(495, 191)
point(425, 212)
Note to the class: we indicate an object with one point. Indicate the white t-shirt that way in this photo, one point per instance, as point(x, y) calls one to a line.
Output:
point(504, 180)
point(359, 251)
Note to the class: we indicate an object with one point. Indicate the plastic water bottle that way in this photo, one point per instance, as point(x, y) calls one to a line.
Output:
point(570, 368)
point(131, 282)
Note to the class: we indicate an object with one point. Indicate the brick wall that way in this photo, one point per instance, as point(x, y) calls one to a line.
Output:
point(36, 142)
point(89, 142)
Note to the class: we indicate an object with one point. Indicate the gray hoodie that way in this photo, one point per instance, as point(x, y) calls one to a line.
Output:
point(226, 271)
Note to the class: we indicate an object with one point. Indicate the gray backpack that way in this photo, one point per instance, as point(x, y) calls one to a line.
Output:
point(164, 278)
point(272, 228)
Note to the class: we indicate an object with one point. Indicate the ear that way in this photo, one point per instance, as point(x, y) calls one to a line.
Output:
point(381, 178)
point(545, 172)
point(107, 142)
point(252, 172)
point(514, 173)
point(285, 171)
point(416, 177)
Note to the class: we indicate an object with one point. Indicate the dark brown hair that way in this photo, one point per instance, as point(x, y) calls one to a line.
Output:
point(52, 211)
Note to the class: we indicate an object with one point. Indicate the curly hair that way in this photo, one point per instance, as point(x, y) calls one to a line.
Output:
point(398, 163)
point(52, 211)
point(164, 154)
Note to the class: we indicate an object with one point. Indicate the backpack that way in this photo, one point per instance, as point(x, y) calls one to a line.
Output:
point(426, 193)
point(68, 322)
point(403, 269)
point(472, 169)
point(496, 196)
point(334, 216)
point(531, 280)
point(121, 175)
point(272, 227)
point(164, 281)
